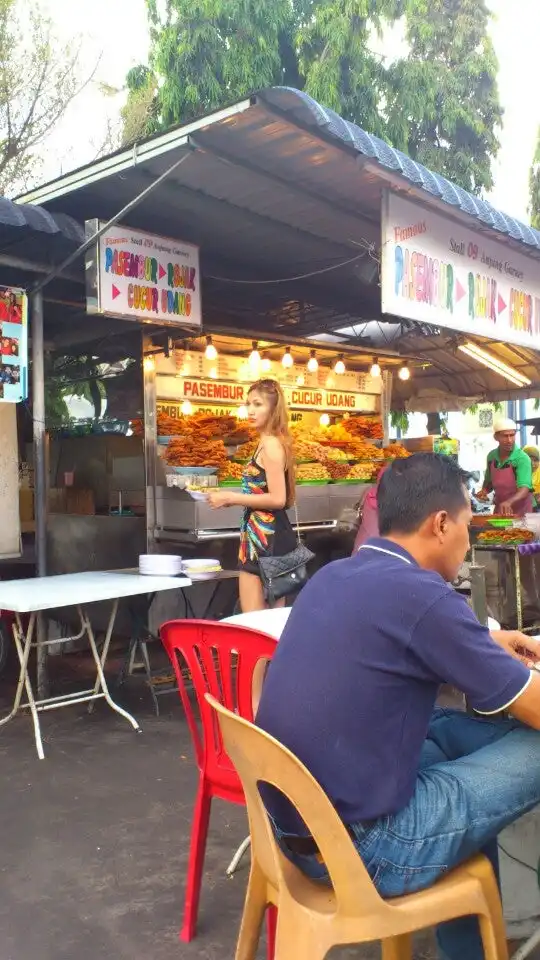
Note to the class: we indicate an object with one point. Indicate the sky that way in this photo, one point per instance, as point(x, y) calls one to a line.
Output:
point(116, 31)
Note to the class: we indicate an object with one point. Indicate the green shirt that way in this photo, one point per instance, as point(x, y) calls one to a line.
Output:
point(520, 462)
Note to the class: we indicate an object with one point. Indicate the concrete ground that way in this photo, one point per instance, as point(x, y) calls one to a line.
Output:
point(94, 839)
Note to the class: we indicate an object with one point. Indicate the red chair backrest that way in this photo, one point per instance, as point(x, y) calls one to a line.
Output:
point(219, 659)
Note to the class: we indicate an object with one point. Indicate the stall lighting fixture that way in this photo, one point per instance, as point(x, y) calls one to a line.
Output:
point(186, 408)
point(266, 364)
point(375, 368)
point(149, 364)
point(242, 412)
point(493, 363)
point(324, 420)
point(339, 367)
point(313, 363)
point(213, 373)
point(210, 352)
point(300, 380)
point(330, 382)
point(254, 357)
point(287, 360)
point(404, 373)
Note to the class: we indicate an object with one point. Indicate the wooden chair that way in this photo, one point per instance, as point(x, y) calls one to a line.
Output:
point(313, 918)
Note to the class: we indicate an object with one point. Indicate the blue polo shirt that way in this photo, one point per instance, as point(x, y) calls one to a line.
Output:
point(355, 676)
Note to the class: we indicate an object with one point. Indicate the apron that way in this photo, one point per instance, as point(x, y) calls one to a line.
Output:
point(503, 481)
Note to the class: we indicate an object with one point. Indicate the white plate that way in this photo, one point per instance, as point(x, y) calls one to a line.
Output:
point(200, 565)
point(197, 494)
point(159, 558)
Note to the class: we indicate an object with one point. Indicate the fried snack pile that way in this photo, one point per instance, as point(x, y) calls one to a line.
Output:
point(363, 472)
point(368, 427)
point(510, 535)
point(231, 471)
point(195, 452)
point(311, 471)
point(396, 451)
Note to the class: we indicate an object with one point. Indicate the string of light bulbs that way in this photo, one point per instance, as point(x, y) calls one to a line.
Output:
point(258, 362)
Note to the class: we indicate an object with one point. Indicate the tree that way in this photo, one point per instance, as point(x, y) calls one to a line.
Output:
point(39, 78)
point(439, 103)
point(444, 108)
point(534, 187)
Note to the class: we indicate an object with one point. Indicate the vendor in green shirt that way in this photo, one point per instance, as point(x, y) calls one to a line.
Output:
point(509, 473)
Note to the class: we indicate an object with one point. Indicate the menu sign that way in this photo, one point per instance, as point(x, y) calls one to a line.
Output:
point(202, 391)
point(140, 276)
point(438, 271)
point(13, 345)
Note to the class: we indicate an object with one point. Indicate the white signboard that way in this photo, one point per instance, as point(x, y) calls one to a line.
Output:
point(138, 275)
point(227, 380)
point(436, 271)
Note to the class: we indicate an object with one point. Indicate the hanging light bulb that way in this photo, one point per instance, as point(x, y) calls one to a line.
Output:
point(213, 373)
point(149, 364)
point(242, 412)
point(339, 367)
point(266, 364)
point(330, 382)
point(404, 373)
point(375, 368)
point(187, 408)
point(324, 420)
point(300, 380)
point(287, 360)
point(313, 363)
point(210, 352)
point(254, 357)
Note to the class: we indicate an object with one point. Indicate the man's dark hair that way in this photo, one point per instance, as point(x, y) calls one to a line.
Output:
point(413, 489)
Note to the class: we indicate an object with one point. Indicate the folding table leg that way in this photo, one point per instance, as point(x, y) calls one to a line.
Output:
point(23, 652)
point(101, 682)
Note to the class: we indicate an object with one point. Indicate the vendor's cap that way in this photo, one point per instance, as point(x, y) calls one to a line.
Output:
point(502, 424)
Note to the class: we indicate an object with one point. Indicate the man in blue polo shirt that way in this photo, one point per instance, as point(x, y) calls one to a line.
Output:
point(352, 689)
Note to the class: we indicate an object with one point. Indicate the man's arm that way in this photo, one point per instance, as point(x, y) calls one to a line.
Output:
point(526, 707)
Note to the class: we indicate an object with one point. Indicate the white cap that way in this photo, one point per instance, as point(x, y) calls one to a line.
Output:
point(502, 424)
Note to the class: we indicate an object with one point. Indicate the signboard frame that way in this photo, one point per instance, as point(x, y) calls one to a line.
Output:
point(159, 275)
point(438, 271)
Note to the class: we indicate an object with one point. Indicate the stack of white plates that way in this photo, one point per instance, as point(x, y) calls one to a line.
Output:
point(160, 565)
point(201, 569)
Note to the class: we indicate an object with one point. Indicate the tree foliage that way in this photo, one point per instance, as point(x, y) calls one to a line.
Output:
point(444, 107)
point(534, 187)
point(39, 78)
point(439, 102)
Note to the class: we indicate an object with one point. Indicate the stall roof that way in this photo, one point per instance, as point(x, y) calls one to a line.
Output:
point(284, 198)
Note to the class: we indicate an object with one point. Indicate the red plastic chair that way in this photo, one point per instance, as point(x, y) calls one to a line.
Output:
point(227, 661)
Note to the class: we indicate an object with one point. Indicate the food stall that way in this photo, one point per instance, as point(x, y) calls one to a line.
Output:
point(203, 438)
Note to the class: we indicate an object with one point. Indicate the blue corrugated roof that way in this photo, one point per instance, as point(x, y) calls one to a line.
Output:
point(308, 110)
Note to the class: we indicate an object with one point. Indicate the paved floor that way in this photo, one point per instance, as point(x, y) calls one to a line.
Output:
point(94, 841)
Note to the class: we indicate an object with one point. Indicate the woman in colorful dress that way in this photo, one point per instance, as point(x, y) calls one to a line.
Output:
point(268, 490)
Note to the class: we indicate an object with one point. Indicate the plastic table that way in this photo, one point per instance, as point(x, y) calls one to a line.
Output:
point(271, 622)
point(36, 595)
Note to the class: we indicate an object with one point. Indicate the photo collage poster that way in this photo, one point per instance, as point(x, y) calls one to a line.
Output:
point(13, 345)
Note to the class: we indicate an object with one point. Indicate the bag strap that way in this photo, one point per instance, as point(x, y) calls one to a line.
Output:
point(297, 523)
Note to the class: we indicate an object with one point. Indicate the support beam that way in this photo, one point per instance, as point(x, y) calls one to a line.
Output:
point(40, 473)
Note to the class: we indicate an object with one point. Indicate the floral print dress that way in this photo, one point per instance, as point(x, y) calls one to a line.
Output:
point(263, 533)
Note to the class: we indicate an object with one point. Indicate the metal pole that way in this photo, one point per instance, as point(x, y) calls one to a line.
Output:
point(40, 474)
point(58, 271)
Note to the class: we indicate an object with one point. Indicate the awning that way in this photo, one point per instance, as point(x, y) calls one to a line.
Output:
point(284, 199)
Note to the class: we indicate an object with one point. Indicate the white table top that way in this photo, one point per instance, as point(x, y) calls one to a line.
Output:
point(271, 622)
point(74, 589)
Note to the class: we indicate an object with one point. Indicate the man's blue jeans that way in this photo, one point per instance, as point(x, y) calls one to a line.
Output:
point(476, 776)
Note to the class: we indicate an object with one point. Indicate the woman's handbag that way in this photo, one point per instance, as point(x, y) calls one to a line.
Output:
point(284, 575)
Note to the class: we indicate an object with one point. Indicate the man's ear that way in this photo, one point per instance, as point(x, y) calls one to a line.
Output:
point(439, 524)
